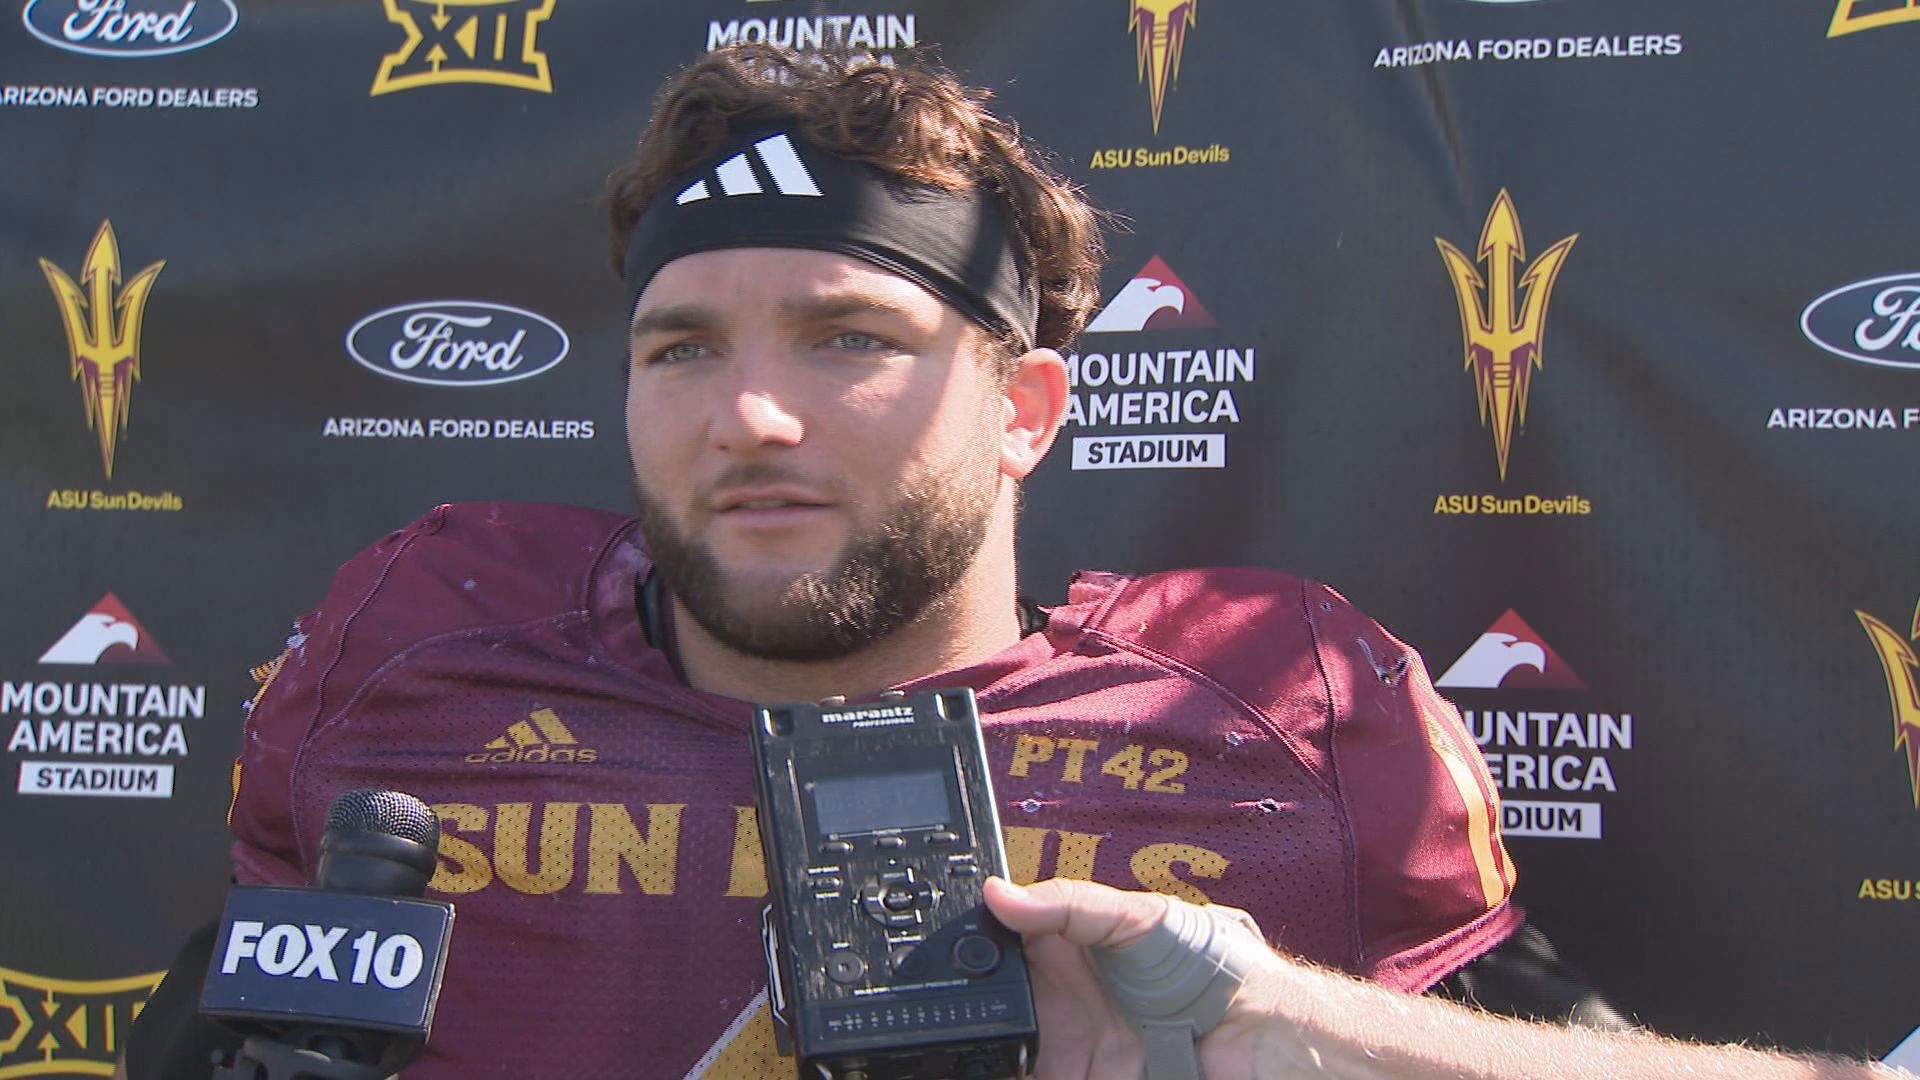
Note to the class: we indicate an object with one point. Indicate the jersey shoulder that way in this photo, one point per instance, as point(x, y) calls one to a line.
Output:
point(1247, 633)
point(460, 568)
point(1355, 705)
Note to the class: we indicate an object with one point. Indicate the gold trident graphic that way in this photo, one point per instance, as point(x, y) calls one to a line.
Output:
point(1160, 29)
point(1846, 20)
point(1503, 337)
point(1897, 659)
point(107, 351)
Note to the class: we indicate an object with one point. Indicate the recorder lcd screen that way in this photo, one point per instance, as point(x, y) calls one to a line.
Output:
point(861, 804)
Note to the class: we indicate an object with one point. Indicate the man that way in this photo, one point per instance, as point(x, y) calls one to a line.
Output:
point(848, 288)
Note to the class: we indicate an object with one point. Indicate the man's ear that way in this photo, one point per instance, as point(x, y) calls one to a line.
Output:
point(1035, 400)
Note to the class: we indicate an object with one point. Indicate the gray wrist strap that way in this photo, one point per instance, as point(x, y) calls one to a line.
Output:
point(1176, 982)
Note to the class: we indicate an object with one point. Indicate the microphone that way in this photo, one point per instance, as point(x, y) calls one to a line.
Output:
point(337, 981)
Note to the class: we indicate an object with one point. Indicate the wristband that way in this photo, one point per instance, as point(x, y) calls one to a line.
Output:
point(1176, 982)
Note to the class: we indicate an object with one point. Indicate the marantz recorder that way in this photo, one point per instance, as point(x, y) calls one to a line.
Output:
point(879, 827)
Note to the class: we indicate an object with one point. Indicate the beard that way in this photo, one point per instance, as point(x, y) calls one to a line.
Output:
point(887, 575)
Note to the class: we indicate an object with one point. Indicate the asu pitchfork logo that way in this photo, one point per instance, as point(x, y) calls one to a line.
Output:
point(466, 41)
point(103, 333)
point(1898, 660)
point(1160, 35)
point(1503, 335)
point(1850, 18)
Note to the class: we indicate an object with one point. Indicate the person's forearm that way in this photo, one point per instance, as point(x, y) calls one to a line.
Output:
point(1319, 1023)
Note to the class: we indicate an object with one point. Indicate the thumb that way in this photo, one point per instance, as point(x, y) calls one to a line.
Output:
point(1083, 912)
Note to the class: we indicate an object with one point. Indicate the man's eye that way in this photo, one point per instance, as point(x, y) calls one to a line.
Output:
point(679, 352)
point(857, 341)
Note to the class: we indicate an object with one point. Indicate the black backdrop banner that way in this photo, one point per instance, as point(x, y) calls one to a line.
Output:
point(1578, 342)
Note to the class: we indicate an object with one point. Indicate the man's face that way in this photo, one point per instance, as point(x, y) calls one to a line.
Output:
point(815, 446)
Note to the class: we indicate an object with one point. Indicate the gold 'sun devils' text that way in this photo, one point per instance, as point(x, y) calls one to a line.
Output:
point(1522, 505)
point(95, 499)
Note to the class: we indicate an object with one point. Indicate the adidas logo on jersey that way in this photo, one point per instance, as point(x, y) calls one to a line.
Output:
point(540, 739)
point(778, 163)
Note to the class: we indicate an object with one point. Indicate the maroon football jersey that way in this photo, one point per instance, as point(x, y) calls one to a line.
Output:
point(1236, 736)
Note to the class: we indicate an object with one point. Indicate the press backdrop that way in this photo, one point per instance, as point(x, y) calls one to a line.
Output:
point(1577, 341)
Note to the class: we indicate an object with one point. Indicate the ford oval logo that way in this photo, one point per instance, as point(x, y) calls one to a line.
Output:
point(1875, 321)
point(130, 27)
point(457, 343)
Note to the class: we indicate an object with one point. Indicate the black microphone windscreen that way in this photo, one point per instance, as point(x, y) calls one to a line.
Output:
point(393, 813)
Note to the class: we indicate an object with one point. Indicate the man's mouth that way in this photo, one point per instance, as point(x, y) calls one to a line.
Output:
point(765, 499)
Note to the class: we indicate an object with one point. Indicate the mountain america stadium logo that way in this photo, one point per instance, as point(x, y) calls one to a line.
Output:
point(1510, 655)
point(92, 735)
point(107, 634)
point(1153, 299)
point(1179, 387)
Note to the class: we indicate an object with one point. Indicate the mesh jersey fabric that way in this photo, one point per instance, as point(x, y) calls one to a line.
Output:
point(1239, 736)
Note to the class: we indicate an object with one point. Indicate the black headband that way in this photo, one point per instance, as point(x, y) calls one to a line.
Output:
point(771, 188)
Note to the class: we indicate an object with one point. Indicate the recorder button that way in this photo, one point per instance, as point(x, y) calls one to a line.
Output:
point(908, 961)
point(837, 847)
point(974, 955)
point(845, 967)
point(942, 839)
point(898, 900)
point(890, 843)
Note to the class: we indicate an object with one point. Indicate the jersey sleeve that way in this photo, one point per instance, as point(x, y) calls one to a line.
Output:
point(1434, 882)
point(312, 675)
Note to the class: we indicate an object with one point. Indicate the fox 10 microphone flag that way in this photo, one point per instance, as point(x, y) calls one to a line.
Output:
point(318, 958)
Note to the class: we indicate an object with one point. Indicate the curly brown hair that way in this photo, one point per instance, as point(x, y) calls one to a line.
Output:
point(916, 121)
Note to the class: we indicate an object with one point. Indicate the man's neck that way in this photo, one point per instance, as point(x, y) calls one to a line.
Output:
point(975, 619)
point(968, 625)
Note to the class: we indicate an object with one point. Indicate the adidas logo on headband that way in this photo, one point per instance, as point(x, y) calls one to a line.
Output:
point(736, 175)
point(963, 245)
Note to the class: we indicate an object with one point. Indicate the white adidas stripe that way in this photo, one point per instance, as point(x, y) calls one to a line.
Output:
point(782, 162)
point(790, 174)
point(736, 176)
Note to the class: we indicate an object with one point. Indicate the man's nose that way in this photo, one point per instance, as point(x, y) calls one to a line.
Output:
point(762, 408)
